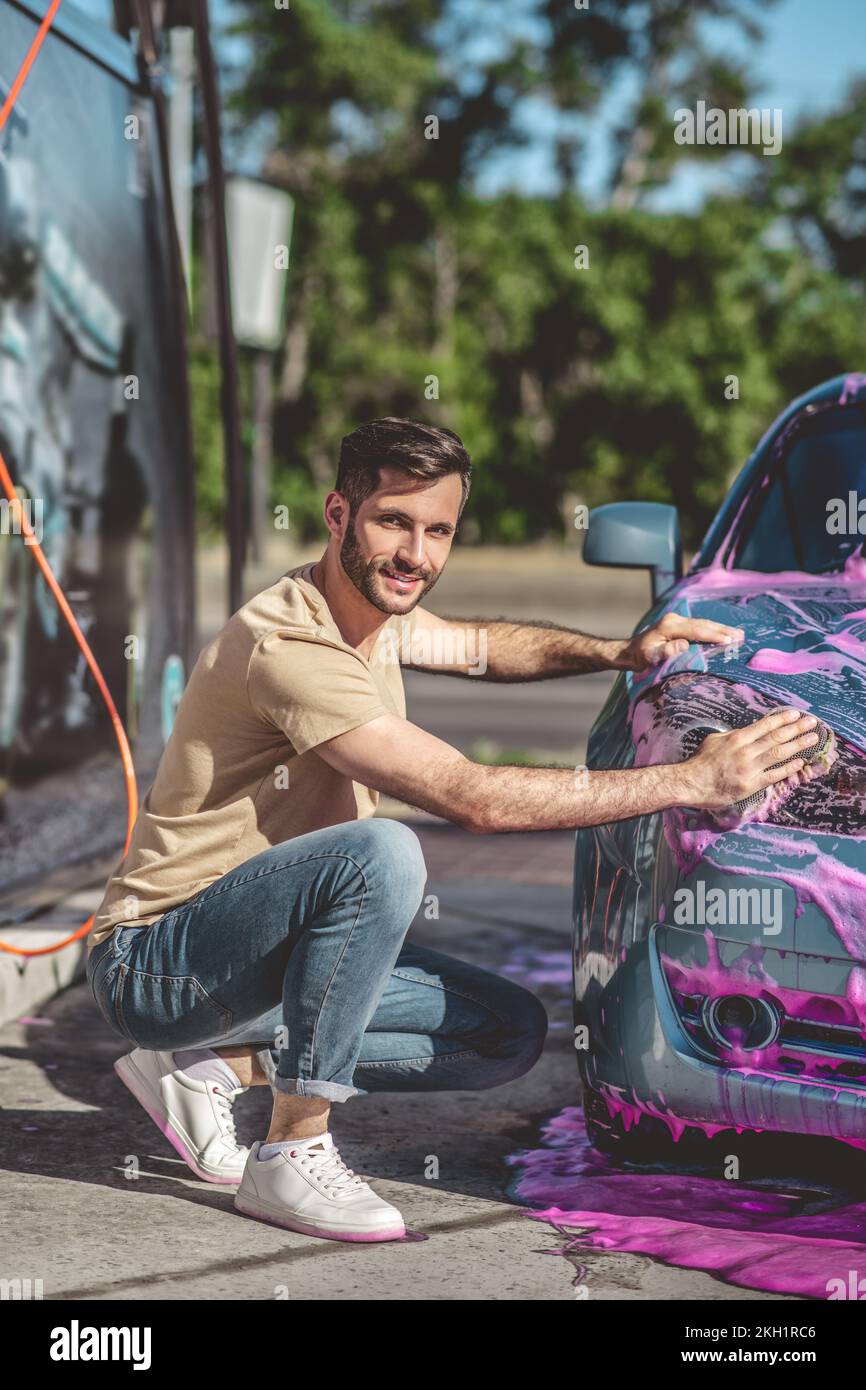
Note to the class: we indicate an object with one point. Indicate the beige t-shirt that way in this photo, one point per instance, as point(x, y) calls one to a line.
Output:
point(239, 772)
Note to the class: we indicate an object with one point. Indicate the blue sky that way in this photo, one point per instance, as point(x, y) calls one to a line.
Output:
point(810, 52)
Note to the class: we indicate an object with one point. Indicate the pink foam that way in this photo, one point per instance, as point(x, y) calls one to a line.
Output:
point(751, 1238)
point(852, 386)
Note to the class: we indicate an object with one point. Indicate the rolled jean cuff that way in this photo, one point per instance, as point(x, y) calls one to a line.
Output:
point(297, 1086)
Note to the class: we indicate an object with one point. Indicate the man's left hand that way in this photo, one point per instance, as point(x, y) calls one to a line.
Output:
point(672, 636)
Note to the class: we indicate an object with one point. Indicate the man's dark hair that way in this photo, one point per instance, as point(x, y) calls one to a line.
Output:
point(422, 451)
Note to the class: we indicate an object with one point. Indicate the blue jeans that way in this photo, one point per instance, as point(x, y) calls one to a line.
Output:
point(301, 950)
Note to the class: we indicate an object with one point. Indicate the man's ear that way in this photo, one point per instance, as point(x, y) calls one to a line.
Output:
point(337, 514)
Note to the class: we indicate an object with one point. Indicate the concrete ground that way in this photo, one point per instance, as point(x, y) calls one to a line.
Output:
point(100, 1207)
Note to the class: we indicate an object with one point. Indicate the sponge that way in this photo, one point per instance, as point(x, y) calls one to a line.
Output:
point(818, 759)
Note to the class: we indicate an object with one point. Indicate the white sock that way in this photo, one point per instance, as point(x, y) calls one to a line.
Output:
point(203, 1064)
point(267, 1063)
point(269, 1150)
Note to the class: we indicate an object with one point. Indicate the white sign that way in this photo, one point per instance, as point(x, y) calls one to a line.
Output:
point(259, 227)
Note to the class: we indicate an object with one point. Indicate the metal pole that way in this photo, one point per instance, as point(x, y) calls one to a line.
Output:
point(229, 384)
point(260, 491)
point(147, 57)
point(180, 140)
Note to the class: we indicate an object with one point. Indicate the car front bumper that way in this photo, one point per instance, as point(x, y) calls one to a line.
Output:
point(643, 1060)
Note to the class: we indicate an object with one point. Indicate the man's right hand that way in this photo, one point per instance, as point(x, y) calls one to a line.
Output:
point(729, 767)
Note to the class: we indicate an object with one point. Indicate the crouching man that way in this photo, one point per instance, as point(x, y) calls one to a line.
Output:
point(255, 932)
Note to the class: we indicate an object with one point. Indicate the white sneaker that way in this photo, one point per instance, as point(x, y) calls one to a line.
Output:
point(309, 1189)
point(195, 1116)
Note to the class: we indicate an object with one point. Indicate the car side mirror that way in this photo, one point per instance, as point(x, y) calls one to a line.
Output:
point(637, 535)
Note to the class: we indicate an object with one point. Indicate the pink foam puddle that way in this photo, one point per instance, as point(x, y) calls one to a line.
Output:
point(753, 1239)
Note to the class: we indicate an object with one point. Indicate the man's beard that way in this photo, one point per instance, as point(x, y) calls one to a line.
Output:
point(363, 576)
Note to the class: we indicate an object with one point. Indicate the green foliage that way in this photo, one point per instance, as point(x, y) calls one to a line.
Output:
point(204, 379)
point(296, 490)
point(491, 754)
point(411, 294)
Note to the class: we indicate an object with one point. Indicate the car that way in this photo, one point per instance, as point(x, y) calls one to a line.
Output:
point(720, 959)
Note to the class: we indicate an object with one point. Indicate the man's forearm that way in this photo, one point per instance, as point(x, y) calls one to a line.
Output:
point(489, 799)
point(530, 651)
point(400, 760)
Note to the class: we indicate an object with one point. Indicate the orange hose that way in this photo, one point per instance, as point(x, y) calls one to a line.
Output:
point(24, 70)
point(120, 733)
point(60, 597)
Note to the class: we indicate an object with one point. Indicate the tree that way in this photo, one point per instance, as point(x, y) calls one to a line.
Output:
point(412, 294)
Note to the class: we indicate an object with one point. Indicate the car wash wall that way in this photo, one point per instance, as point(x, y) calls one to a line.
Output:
point(93, 413)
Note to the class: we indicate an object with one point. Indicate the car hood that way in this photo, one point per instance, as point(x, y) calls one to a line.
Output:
point(805, 645)
point(805, 640)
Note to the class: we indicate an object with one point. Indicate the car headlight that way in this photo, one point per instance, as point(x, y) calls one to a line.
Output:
point(672, 720)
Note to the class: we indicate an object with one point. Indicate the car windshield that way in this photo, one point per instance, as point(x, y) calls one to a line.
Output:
point(810, 517)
